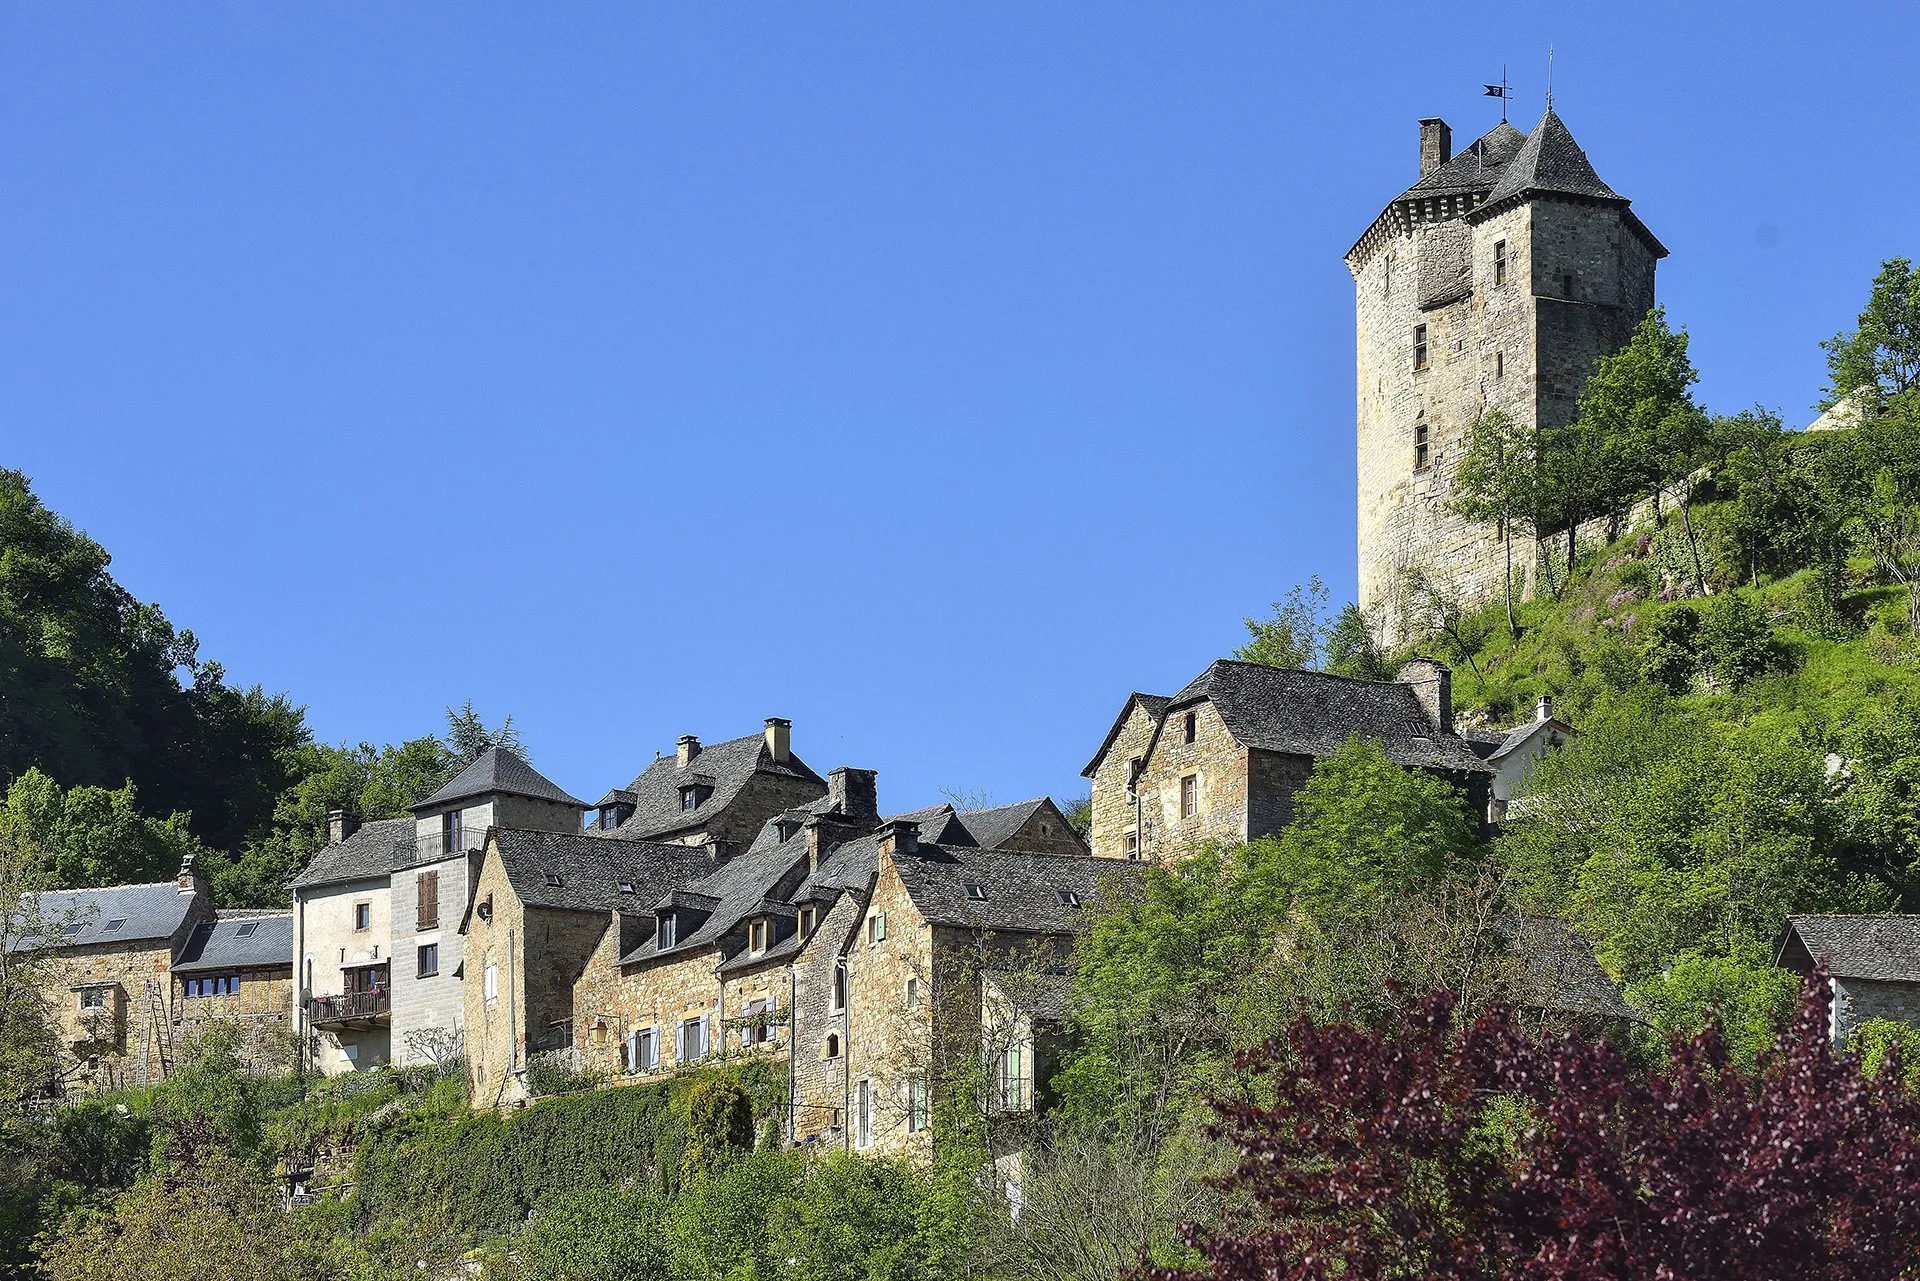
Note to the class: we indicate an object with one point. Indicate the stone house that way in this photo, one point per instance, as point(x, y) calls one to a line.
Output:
point(1873, 966)
point(1496, 281)
point(1512, 754)
point(543, 904)
point(725, 792)
point(1223, 758)
point(140, 969)
point(375, 913)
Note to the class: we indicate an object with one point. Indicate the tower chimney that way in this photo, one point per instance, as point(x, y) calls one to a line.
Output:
point(854, 792)
point(1543, 710)
point(1436, 145)
point(689, 748)
point(1432, 684)
point(779, 738)
point(191, 878)
point(341, 824)
point(897, 837)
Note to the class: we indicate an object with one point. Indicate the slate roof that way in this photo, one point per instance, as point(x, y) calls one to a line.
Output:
point(376, 850)
point(239, 942)
point(591, 870)
point(1044, 995)
point(498, 771)
point(1556, 969)
point(1155, 705)
point(1550, 161)
point(1475, 168)
point(735, 891)
point(154, 911)
point(1883, 948)
point(726, 767)
point(1022, 892)
point(1303, 713)
point(991, 828)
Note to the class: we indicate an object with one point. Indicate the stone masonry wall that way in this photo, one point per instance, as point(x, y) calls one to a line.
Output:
point(1276, 777)
point(262, 1011)
point(1112, 806)
point(819, 1077)
point(1857, 1000)
point(1523, 346)
point(1046, 832)
point(120, 1043)
point(495, 1030)
point(888, 1037)
point(659, 994)
point(1218, 764)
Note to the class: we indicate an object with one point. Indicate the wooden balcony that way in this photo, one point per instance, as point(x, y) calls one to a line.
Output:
point(347, 1009)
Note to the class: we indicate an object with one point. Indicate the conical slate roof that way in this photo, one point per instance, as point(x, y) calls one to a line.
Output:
point(1550, 161)
point(498, 772)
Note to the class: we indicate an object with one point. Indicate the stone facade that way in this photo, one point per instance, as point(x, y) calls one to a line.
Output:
point(1115, 813)
point(116, 1021)
point(818, 1033)
point(1856, 1000)
point(1215, 805)
point(494, 988)
point(1462, 308)
point(893, 991)
point(262, 1011)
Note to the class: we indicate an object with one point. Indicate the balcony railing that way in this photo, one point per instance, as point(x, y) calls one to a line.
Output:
point(350, 1007)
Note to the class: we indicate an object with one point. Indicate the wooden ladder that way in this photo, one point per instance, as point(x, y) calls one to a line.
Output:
point(159, 1030)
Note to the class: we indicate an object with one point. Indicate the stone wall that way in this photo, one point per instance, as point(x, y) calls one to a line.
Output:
point(1277, 776)
point(1577, 281)
point(435, 1002)
point(1219, 767)
point(614, 1000)
point(261, 1011)
point(122, 1042)
point(1046, 832)
point(888, 1043)
point(1857, 1000)
point(820, 1077)
point(494, 1028)
point(1113, 807)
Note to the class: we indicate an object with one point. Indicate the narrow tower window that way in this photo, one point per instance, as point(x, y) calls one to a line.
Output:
point(1499, 364)
point(1189, 727)
point(1421, 449)
point(1419, 347)
point(1499, 262)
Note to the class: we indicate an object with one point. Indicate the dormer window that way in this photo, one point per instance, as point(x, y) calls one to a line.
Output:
point(976, 893)
point(667, 929)
point(1189, 727)
point(691, 795)
point(807, 917)
point(757, 937)
point(785, 829)
point(626, 887)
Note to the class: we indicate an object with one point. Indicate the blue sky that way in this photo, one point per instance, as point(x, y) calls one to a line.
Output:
point(930, 374)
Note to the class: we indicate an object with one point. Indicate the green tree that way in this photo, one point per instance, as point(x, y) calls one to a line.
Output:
point(1888, 527)
point(1351, 650)
point(468, 737)
point(91, 836)
point(595, 1234)
point(1498, 482)
point(718, 1230)
point(28, 1037)
point(1366, 832)
point(1882, 351)
point(1296, 634)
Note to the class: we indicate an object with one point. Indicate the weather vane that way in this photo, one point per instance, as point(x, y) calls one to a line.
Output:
point(1502, 91)
point(1549, 77)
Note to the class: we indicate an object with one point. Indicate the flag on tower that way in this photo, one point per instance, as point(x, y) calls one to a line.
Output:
point(1499, 91)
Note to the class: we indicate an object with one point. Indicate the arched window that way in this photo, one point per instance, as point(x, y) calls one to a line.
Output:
point(833, 1047)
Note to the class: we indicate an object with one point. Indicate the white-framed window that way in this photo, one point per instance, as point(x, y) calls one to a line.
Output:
point(1189, 796)
point(918, 1114)
point(757, 1022)
point(863, 1114)
point(490, 982)
point(220, 985)
point(692, 1045)
point(643, 1050)
point(757, 937)
point(426, 960)
point(1133, 845)
point(93, 998)
point(667, 930)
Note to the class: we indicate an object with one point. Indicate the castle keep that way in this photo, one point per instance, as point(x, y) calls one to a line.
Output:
point(1496, 281)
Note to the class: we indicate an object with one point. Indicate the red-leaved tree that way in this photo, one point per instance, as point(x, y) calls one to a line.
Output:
point(1425, 1149)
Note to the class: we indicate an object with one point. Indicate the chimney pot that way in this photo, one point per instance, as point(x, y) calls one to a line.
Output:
point(689, 748)
point(341, 824)
point(779, 738)
point(854, 793)
point(1436, 145)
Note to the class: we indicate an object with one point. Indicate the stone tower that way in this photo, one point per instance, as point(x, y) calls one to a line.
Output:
point(1496, 281)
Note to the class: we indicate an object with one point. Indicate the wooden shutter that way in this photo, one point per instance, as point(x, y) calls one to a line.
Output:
point(427, 907)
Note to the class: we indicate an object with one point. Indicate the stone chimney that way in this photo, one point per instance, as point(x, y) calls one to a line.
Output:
point(1436, 145)
point(825, 834)
point(191, 879)
point(689, 748)
point(718, 850)
point(779, 738)
point(854, 792)
point(1543, 710)
point(341, 824)
point(898, 837)
point(1432, 684)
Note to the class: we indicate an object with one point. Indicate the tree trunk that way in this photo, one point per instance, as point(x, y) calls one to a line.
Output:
point(1573, 530)
point(1686, 519)
point(1506, 541)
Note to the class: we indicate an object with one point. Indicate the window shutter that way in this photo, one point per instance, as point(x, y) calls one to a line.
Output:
point(427, 907)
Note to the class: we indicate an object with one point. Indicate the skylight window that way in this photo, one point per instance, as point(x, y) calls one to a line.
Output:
point(245, 931)
point(553, 879)
point(1069, 899)
point(113, 925)
point(626, 887)
point(978, 893)
point(73, 930)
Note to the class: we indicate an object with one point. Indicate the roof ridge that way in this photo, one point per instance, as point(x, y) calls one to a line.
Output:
point(1302, 671)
